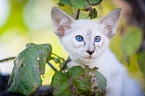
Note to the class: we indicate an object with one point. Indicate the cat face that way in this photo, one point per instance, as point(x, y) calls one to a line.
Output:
point(85, 40)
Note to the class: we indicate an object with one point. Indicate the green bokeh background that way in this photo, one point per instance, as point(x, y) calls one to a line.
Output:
point(29, 21)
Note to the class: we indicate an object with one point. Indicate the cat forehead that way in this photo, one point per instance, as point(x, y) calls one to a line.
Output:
point(87, 26)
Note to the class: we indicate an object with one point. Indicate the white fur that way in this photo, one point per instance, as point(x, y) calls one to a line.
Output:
point(118, 81)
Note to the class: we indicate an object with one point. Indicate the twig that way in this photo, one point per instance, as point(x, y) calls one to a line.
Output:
point(77, 16)
point(52, 66)
point(58, 57)
point(7, 59)
point(65, 63)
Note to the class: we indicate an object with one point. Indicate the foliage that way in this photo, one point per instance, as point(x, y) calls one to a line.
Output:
point(85, 5)
point(141, 61)
point(29, 65)
point(78, 81)
point(132, 41)
point(16, 21)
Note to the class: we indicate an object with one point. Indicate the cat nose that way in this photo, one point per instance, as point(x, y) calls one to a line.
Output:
point(90, 52)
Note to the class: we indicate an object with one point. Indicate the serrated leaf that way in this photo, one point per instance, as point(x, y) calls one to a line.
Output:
point(132, 41)
point(78, 81)
point(28, 66)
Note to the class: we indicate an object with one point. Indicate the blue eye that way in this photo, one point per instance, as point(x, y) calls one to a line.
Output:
point(97, 39)
point(79, 38)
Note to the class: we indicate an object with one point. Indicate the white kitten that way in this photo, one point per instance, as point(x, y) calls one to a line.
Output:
point(87, 43)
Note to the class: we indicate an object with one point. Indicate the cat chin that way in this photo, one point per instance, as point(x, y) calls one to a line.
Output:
point(87, 60)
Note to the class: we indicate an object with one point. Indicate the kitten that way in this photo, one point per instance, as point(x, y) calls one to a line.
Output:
point(87, 43)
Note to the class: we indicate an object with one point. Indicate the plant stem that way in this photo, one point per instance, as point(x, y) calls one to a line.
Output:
point(52, 66)
point(58, 57)
point(77, 16)
point(65, 63)
point(7, 59)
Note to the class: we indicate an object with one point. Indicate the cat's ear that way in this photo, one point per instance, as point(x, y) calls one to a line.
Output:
point(61, 21)
point(109, 22)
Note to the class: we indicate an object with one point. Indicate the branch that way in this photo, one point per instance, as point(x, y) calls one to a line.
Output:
point(58, 57)
point(52, 66)
point(63, 67)
point(65, 63)
point(77, 16)
point(7, 59)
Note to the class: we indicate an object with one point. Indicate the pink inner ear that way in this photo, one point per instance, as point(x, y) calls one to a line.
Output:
point(108, 31)
point(62, 28)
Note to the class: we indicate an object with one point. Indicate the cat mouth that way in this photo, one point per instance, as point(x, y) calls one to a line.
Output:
point(89, 58)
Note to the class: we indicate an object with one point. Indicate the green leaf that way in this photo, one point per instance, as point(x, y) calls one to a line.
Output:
point(141, 61)
point(74, 74)
point(79, 81)
point(93, 14)
point(98, 82)
point(28, 66)
point(95, 2)
point(85, 5)
point(80, 4)
point(60, 83)
point(132, 41)
point(64, 2)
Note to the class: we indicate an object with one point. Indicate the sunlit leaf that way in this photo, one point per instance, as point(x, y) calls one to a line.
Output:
point(28, 66)
point(132, 40)
point(78, 81)
point(141, 61)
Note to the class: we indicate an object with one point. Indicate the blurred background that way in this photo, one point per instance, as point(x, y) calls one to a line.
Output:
point(26, 21)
